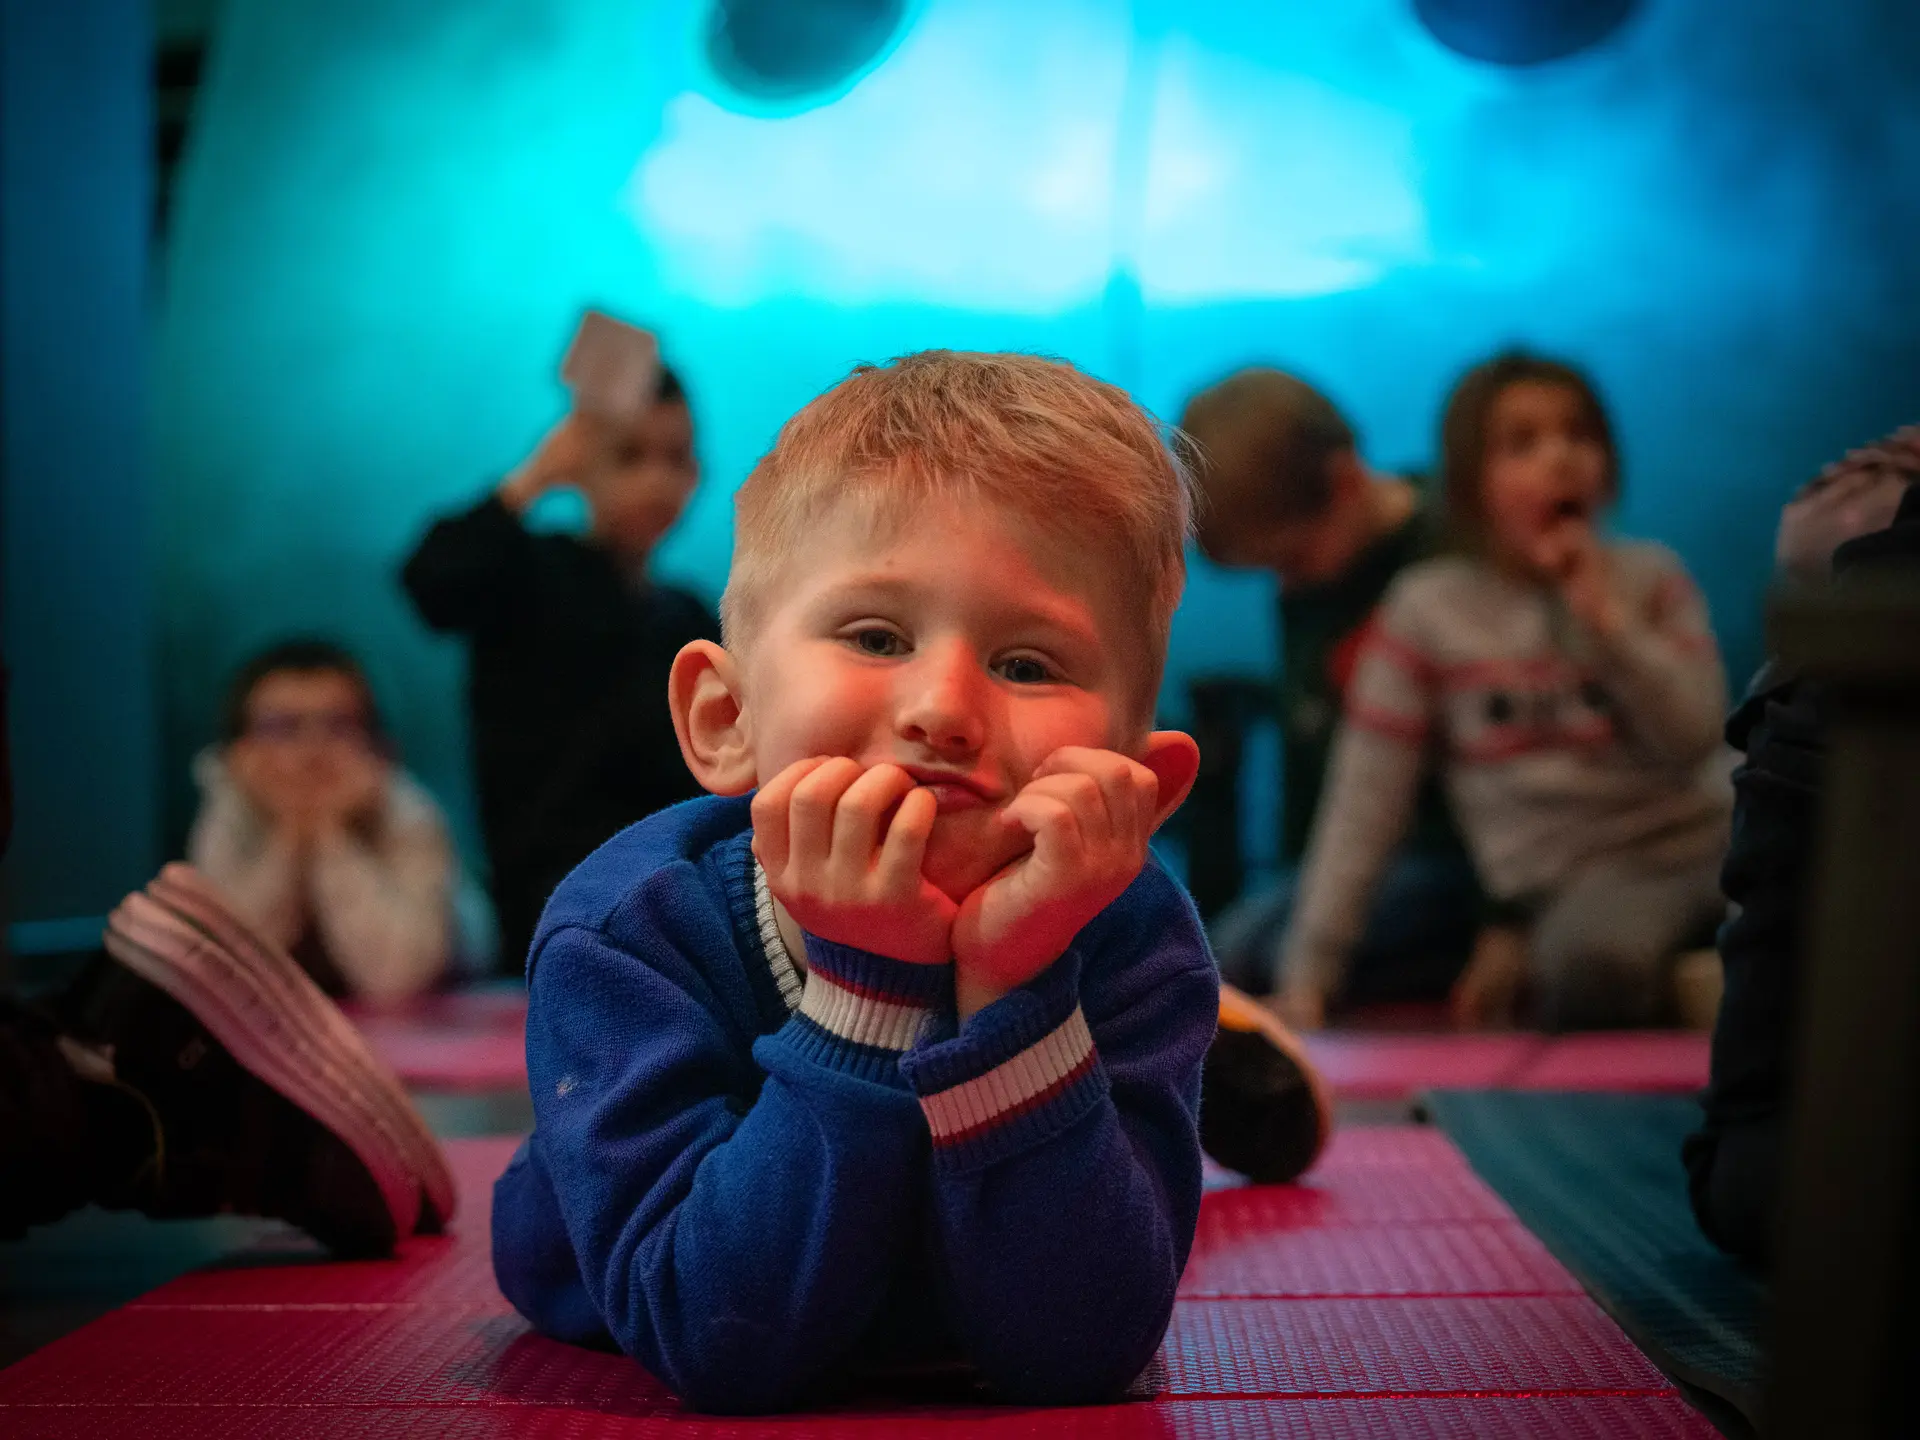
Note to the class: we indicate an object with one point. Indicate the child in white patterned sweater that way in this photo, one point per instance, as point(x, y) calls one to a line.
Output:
point(1570, 690)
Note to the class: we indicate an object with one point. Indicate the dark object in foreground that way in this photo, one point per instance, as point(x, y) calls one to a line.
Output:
point(1264, 1110)
point(1847, 1245)
point(195, 1071)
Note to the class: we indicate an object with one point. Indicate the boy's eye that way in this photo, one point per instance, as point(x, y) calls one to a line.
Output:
point(1025, 670)
point(875, 641)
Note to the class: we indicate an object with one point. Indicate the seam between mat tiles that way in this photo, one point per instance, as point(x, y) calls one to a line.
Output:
point(1295, 1296)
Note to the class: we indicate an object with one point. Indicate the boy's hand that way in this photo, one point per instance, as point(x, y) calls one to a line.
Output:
point(1487, 994)
point(1090, 813)
point(568, 454)
point(842, 847)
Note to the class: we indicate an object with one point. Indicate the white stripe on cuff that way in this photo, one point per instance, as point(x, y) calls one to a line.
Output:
point(863, 1019)
point(1013, 1084)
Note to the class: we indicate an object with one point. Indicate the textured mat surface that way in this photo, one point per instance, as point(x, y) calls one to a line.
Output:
point(1390, 1065)
point(1598, 1179)
point(1392, 1295)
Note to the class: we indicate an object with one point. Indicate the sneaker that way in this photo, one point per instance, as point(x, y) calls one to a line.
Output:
point(1264, 1110)
point(333, 1049)
point(259, 1096)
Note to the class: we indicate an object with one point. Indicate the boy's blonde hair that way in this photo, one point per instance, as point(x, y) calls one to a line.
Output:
point(1072, 455)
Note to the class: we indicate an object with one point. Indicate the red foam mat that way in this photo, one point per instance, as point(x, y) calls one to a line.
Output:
point(1364, 1065)
point(469, 1042)
point(1392, 1295)
point(1367, 1065)
point(1660, 1061)
point(1484, 1417)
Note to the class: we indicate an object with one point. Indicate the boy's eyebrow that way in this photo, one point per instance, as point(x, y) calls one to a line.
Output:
point(1074, 619)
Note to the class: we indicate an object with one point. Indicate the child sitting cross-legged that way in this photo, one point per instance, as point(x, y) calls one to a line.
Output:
point(1570, 692)
point(889, 1050)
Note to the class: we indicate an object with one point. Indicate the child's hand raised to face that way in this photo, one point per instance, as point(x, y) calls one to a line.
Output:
point(842, 847)
point(1571, 555)
point(1090, 813)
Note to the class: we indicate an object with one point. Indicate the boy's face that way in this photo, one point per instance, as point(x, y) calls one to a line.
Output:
point(1310, 549)
point(643, 484)
point(1303, 553)
point(306, 736)
point(959, 644)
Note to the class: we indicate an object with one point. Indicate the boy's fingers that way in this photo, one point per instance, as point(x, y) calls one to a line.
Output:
point(904, 850)
point(856, 819)
point(1130, 790)
point(810, 812)
point(769, 811)
point(1080, 792)
point(1053, 823)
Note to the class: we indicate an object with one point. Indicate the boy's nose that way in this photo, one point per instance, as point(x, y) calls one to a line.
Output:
point(940, 701)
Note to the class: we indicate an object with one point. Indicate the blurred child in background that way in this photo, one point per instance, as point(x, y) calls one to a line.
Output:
point(570, 644)
point(1569, 690)
point(315, 836)
point(1284, 488)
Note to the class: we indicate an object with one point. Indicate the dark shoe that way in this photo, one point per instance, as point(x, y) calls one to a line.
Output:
point(260, 1095)
point(199, 1134)
point(264, 995)
point(1264, 1109)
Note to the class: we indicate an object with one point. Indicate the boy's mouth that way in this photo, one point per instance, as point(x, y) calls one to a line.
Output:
point(952, 790)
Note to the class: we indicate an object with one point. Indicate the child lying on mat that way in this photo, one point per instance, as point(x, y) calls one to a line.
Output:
point(898, 1059)
point(1570, 691)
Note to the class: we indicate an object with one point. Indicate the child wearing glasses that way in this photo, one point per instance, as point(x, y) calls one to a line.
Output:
point(316, 836)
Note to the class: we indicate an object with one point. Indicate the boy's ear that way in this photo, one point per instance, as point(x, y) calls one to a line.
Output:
point(703, 692)
point(1174, 758)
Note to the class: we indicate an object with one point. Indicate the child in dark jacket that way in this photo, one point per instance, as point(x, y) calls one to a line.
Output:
point(570, 643)
point(890, 1050)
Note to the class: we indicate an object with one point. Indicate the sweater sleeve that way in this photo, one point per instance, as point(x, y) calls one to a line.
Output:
point(1663, 668)
point(472, 570)
point(736, 1236)
point(1373, 780)
point(1066, 1158)
point(383, 906)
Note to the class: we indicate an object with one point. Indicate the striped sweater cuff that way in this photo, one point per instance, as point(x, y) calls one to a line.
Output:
point(1019, 1072)
point(860, 1011)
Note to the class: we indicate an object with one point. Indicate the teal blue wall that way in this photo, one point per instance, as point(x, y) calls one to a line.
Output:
point(75, 504)
point(392, 213)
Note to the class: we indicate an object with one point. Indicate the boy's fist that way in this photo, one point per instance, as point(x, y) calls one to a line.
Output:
point(842, 847)
point(1091, 813)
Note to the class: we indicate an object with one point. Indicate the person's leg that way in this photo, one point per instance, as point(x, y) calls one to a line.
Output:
point(1419, 933)
point(1246, 936)
point(1732, 1175)
point(1600, 952)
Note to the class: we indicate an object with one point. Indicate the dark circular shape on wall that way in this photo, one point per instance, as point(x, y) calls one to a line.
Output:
point(786, 49)
point(1521, 32)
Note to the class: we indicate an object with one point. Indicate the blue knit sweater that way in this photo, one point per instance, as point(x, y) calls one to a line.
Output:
point(755, 1193)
